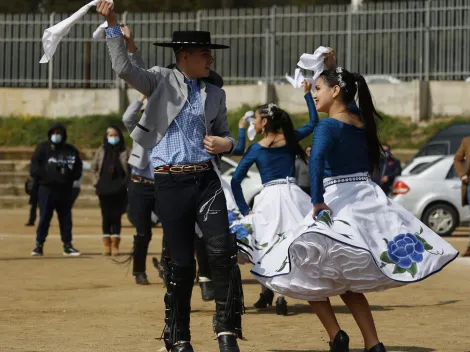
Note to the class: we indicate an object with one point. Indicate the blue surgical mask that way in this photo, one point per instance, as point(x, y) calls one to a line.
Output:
point(113, 140)
point(56, 138)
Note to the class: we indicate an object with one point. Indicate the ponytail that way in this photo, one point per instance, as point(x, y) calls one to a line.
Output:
point(278, 119)
point(368, 114)
point(350, 85)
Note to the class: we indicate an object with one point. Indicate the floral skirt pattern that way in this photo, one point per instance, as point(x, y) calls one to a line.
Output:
point(369, 243)
point(280, 206)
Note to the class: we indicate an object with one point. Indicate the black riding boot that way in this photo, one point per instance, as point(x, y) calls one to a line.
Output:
point(228, 291)
point(180, 283)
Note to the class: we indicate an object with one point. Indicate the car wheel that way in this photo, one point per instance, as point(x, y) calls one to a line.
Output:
point(441, 218)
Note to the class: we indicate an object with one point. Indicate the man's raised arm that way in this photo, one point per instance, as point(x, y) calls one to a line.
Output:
point(142, 80)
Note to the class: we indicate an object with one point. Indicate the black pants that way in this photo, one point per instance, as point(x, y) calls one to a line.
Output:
point(111, 212)
point(60, 200)
point(182, 200)
point(75, 193)
point(141, 204)
point(33, 201)
point(204, 268)
point(305, 189)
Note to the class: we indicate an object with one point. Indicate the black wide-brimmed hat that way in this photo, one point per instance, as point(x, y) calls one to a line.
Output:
point(213, 78)
point(191, 39)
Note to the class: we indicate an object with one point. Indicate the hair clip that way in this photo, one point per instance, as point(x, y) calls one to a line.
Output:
point(270, 109)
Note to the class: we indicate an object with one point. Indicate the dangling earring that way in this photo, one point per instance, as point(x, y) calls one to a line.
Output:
point(262, 131)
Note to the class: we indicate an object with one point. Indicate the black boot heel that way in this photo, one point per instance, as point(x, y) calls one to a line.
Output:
point(377, 348)
point(228, 343)
point(340, 343)
point(265, 299)
point(281, 306)
point(183, 346)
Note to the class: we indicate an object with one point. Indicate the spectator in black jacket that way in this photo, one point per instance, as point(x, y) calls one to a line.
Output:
point(55, 165)
point(390, 169)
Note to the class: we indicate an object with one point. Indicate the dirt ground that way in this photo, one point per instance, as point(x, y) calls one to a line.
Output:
point(92, 304)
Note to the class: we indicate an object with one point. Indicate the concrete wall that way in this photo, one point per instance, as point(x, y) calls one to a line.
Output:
point(418, 100)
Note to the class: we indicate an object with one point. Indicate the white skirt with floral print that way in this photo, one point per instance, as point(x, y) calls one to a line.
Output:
point(370, 243)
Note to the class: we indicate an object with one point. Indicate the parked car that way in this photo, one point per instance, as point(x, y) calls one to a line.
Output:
point(433, 194)
point(381, 79)
point(446, 141)
point(251, 184)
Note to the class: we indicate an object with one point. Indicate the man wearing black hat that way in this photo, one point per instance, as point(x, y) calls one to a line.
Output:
point(184, 128)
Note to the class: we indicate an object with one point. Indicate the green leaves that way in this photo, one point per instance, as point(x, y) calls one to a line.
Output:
point(426, 245)
point(344, 222)
point(413, 269)
point(325, 219)
point(385, 258)
point(283, 265)
point(398, 270)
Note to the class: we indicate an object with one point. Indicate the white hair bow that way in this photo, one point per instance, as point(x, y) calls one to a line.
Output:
point(53, 35)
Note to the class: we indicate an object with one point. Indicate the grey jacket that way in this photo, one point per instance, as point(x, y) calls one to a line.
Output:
point(166, 94)
point(139, 156)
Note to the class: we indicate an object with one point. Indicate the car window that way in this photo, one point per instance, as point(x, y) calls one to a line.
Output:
point(419, 168)
point(452, 174)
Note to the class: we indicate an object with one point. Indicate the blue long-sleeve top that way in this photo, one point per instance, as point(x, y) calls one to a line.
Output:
point(240, 148)
point(338, 149)
point(272, 163)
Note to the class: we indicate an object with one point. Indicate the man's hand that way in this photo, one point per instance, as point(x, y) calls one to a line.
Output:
point(217, 145)
point(127, 33)
point(330, 59)
point(385, 179)
point(465, 179)
point(106, 9)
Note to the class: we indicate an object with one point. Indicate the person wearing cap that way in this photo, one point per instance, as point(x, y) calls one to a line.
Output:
point(55, 165)
point(184, 128)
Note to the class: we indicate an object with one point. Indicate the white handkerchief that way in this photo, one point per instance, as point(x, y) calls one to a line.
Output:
point(251, 132)
point(314, 62)
point(297, 80)
point(99, 33)
point(53, 35)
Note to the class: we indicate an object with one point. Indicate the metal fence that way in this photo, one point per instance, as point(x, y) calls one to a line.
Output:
point(427, 40)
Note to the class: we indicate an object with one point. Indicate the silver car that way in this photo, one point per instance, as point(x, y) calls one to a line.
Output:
point(432, 192)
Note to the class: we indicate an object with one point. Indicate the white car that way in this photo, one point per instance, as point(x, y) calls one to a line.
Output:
point(381, 79)
point(433, 194)
point(251, 185)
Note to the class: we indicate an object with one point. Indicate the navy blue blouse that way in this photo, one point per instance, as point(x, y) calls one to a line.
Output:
point(338, 149)
point(272, 163)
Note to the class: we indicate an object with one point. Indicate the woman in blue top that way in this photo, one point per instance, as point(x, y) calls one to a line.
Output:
point(360, 241)
point(281, 204)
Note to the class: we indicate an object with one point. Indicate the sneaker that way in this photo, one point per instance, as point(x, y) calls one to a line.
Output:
point(71, 252)
point(37, 252)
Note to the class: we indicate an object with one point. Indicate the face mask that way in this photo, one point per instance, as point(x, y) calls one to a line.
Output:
point(113, 140)
point(56, 138)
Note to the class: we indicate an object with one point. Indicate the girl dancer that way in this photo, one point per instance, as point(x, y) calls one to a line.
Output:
point(362, 241)
point(281, 205)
